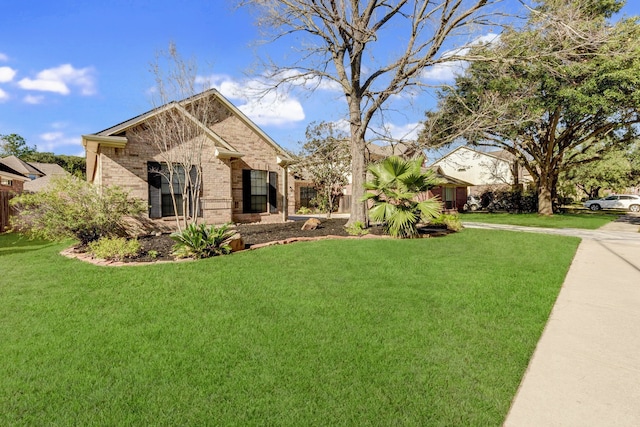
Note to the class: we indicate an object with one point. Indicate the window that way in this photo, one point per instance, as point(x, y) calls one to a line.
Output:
point(259, 191)
point(8, 182)
point(307, 194)
point(449, 197)
point(160, 202)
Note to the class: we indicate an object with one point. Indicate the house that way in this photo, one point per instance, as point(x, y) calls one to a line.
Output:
point(451, 191)
point(37, 175)
point(244, 172)
point(482, 170)
point(10, 179)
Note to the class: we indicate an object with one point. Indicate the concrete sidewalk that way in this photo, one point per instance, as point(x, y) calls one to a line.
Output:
point(585, 370)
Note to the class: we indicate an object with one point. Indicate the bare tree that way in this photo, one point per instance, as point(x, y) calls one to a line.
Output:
point(178, 130)
point(373, 50)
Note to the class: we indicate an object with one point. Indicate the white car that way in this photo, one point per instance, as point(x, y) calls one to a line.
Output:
point(615, 201)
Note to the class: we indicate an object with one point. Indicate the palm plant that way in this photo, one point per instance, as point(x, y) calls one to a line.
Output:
point(397, 190)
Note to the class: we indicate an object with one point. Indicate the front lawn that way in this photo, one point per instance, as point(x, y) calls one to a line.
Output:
point(347, 332)
point(587, 220)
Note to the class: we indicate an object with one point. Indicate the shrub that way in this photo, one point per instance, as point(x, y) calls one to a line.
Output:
point(72, 208)
point(357, 229)
point(304, 210)
point(114, 248)
point(510, 201)
point(202, 241)
point(451, 221)
point(394, 193)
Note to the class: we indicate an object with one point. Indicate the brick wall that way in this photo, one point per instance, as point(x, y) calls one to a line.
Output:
point(222, 178)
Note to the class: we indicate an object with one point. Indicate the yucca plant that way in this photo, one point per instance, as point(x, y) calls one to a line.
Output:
point(397, 191)
point(202, 241)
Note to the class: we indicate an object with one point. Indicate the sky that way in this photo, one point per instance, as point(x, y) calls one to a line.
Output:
point(75, 67)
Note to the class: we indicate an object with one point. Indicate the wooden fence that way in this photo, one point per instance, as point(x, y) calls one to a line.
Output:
point(5, 210)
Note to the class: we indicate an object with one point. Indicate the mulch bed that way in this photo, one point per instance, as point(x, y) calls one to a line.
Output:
point(253, 235)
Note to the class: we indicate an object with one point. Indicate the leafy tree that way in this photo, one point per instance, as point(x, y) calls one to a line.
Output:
point(613, 171)
point(567, 95)
point(370, 50)
point(73, 208)
point(326, 160)
point(397, 192)
point(14, 145)
point(75, 165)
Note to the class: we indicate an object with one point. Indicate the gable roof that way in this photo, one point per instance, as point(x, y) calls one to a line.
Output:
point(51, 170)
point(446, 179)
point(21, 166)
point(501, 155)
point(9, 173)
point(110, 137)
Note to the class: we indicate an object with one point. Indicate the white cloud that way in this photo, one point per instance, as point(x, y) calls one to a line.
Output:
point(3, 95)
point(59, 79)
point(33, 99)
point(7, 74)
point(53, 141)
point(448, 70)
point(3, 57)
point(263, 107)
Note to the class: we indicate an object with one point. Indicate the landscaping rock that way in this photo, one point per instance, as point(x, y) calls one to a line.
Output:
point(311, 224)
point(236, 243)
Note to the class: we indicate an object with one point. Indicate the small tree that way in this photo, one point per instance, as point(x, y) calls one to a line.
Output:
point(178, 130)
point(397, 192)
point(325, 158)
point(73, 208)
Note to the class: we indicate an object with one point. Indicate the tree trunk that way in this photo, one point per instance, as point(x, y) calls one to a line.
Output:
point(545, 205)
point(358, 178)
point(358, 164)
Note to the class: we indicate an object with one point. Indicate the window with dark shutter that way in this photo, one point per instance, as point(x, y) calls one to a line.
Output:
point(155, 195)
point(259, 191)
point(160, 197)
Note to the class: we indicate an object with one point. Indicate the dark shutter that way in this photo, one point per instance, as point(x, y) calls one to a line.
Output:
point(273, 192)
point(246, 190)
point(154, 180)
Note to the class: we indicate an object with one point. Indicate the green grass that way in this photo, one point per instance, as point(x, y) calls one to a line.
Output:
point(349, 332)
point(589, 221)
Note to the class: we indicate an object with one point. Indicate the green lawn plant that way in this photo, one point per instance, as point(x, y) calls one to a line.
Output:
point(114, 248)
point(437, 332)
point(395, 193)
point(357, 229)
point(72, 208)
point(587, 220)
point(202, 241)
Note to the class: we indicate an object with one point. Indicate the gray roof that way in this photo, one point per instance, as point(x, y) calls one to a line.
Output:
point(51, 170)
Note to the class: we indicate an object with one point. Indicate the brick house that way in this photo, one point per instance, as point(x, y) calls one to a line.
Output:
point(244, 172)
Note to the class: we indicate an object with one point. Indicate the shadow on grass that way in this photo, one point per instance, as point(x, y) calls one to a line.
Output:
point(630, 219)
point(14, 244)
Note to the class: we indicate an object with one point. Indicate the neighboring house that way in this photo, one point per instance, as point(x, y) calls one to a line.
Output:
point(483, 170)
point(11, 179)
point(36, 175)
point(451, 191)
point(244, 171)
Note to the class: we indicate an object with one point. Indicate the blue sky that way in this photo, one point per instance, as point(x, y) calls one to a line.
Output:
point(74, 67)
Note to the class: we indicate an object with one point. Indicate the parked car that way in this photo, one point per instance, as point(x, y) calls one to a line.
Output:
point(473, 203)
point(615, 201)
